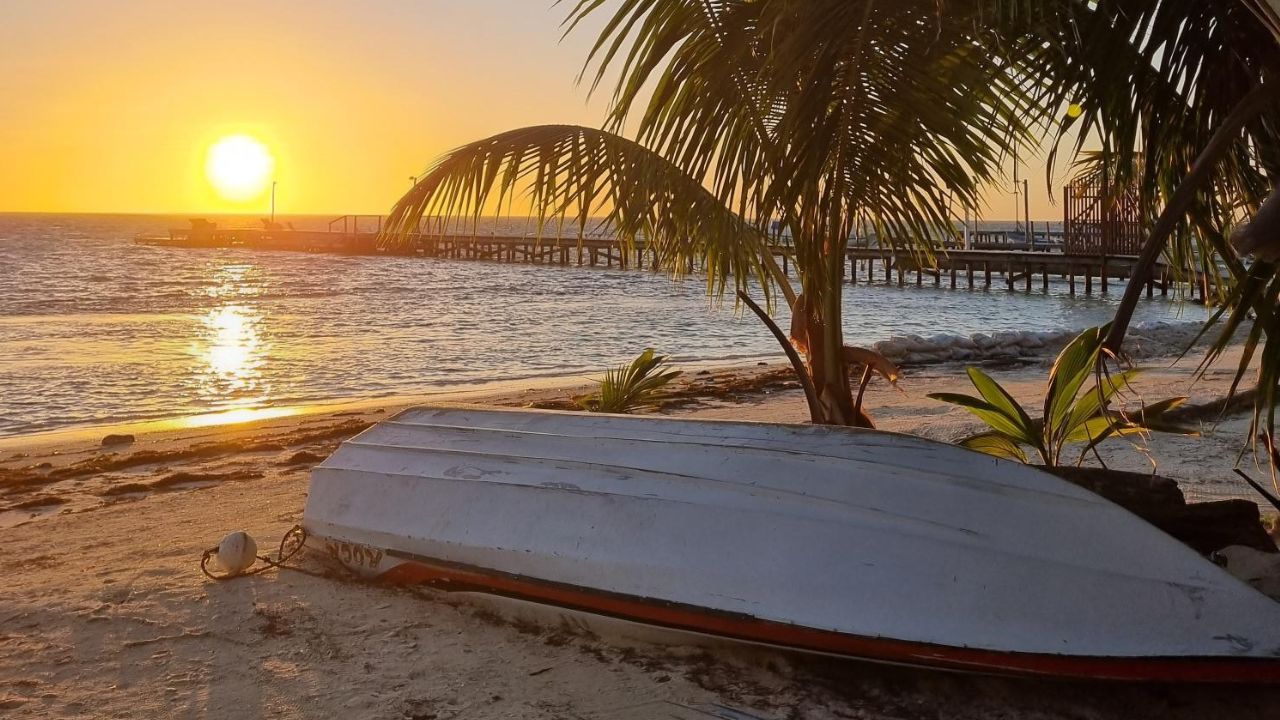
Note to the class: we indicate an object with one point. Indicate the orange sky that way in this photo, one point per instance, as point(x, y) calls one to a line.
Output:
point(111, 106)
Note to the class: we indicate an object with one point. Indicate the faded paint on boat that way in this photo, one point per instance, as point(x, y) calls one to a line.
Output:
point(835, 540)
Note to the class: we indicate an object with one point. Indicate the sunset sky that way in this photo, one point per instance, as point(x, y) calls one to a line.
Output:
point(114, 106)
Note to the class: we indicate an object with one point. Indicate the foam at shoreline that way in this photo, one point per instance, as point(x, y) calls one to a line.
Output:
point(1144, 340)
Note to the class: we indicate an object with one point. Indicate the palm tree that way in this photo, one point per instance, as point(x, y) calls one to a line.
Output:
point(819, 115)
point(1184, 96)
point(828, 115)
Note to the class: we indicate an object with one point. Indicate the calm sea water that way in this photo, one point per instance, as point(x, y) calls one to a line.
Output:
point(95, 329)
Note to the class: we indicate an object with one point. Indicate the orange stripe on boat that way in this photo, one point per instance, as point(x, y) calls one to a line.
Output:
point(677, 616)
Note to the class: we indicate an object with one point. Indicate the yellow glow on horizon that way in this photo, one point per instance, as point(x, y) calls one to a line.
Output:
point(239, 167)
point(112, 107)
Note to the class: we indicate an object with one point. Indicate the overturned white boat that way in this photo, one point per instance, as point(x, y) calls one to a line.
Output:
point(832, 540)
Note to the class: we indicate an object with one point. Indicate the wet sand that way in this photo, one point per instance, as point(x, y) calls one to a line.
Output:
point(104, 613)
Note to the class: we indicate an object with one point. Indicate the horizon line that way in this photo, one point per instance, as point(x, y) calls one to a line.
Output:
point(329, 214)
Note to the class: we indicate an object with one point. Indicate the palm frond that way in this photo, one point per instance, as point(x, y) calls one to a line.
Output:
point(1252, 304)
point(820, 112)
point(582, 180)
point(1154, 80)
point(1198, 249)
point(996, 445)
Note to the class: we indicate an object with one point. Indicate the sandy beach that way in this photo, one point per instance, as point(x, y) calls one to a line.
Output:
point(104, 612)
point(234, 236)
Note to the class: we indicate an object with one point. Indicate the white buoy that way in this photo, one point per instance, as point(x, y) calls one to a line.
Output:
point(1257, 568)
point(236, 552)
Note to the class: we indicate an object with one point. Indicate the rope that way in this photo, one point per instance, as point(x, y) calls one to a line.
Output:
point(290, 544)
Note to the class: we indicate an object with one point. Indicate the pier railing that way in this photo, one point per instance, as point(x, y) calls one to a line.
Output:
point(356, 224)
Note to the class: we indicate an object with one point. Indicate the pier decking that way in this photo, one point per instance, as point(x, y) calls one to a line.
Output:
point(1012, 261)
point(1013, 269)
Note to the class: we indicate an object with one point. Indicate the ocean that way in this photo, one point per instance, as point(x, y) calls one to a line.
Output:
point(97, 330)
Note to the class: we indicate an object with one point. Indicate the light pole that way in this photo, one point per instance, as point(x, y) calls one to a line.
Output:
point(273, 202)
point(1026, 213)
point(1017, 226)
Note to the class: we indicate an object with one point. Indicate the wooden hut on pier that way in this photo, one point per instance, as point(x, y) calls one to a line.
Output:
point(1101, 220)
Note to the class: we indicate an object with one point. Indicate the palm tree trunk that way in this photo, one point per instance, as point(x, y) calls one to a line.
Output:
point(802, 372)
point(833, 384)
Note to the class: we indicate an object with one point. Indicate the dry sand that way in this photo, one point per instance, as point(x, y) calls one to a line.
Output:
point(104, 613)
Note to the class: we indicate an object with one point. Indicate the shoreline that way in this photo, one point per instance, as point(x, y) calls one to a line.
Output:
point(480, 392)
point(74, 470)
point(488, 392)
point(138, 631)
point(912, 352)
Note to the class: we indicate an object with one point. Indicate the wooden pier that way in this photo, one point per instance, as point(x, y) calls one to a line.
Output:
point(358, 235)
point(1010, 269)
point(999, 259)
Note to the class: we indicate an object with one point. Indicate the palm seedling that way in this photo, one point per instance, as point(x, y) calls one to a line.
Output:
point(630, 387)
point(1070, 416)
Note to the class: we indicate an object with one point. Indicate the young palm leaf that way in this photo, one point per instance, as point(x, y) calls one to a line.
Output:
point(995, 444)
point(997, 408)
point(1071, 369)
point(631, 387)
point(1069, 416)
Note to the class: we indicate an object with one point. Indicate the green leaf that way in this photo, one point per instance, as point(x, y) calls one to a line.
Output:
point(1094, 402)
point(1098, 428)
point(1070, 370)
point(1000, 400)
point(998, 420)
point(631, 387)
point(996, 445)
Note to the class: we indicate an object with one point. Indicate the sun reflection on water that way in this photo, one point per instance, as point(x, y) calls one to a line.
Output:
point(231, 352)
point(234, 348)
point(235, 280)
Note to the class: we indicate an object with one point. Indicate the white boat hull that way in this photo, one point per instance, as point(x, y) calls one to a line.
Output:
point(855, 543)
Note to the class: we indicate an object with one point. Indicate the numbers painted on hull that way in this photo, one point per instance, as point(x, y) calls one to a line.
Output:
point(355, 556)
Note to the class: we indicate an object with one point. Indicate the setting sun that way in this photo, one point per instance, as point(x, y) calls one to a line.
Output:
point(239, 167)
